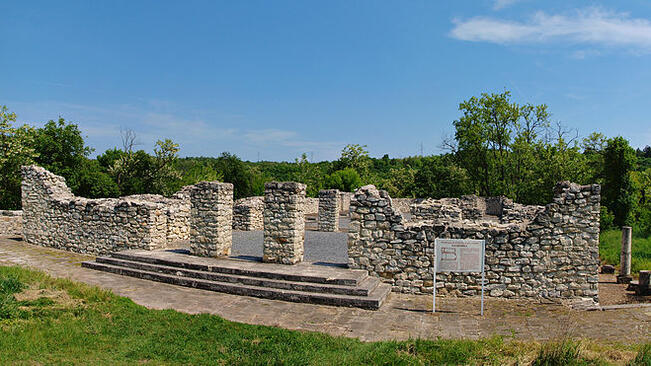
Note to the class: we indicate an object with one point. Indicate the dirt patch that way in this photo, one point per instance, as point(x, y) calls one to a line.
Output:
point(613, 293)
point(59, 297)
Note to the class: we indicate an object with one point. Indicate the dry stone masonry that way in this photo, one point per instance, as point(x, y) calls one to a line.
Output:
point(329, 207)
point(54, 217)
point(551, 252)
point(211, 219)
point(284, 222)
point(344, 202)
point(311, 206)
point(11, 223)
point(248, 214)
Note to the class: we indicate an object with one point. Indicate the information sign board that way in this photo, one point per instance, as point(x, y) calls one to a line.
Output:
point(459, 255)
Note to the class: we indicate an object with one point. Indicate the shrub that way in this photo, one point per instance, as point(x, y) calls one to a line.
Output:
point(562, 352)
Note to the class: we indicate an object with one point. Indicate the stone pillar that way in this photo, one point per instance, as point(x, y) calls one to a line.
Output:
point(284, 222)
point(644, 285)
point(329, 207)
point(211, 219)
point(625, 258)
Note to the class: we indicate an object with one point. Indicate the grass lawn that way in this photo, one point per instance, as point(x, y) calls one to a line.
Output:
point(53, 321)
point(610, 245)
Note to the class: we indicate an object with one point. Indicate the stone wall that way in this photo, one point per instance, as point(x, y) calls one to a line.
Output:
point(403, 205)
point(472, 208)
point(553, 255)
point(54, 217)
point(284, 222)
point(329, 208)
point(311, 206)
point(248, 214)
point(11, 223)
point(211, 219)
point(177, 212)
point(344, 202)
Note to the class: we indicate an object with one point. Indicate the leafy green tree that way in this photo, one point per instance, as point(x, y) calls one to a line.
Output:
point(16, 149)
point(94, 183)
point(483, 135)
point(400, 182)
point(61, 149)
point(244, 179)
point(131, 172)
point(439, 179)
point(618, 190)
point(356, 157)
point(309, 174)
point(346, 180)
point(164, 178)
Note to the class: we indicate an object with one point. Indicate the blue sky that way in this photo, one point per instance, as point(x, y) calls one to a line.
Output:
point(274, 79)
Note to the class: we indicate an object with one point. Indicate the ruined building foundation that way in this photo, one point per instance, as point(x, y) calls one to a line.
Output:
point(549, 252)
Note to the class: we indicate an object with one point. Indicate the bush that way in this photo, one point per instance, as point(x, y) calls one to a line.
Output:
point(606, 219)
point(346, 180)
point(562, 352)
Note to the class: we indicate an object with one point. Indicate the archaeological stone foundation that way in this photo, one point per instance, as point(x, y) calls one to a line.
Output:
point(531, 251)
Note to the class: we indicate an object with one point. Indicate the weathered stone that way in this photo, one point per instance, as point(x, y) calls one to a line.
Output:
point(284, 222)
point(54, 217)
point(211, 219)
point(11, 223)
point(537, 251)
point(248, 214)
point(329, 202)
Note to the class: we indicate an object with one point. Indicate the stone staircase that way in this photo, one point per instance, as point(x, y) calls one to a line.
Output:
point(303, 282)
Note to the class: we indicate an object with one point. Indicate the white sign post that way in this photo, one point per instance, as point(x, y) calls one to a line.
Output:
point(459, 255)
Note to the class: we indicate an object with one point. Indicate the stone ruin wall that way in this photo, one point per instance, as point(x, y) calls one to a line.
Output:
point(284, 222)
point(54, 217)
point(311, 205)
point(344, 202)
point(248, 214)
point(11, 223)
point(473, 208)
point(551, 253)
point(211, 219)
point(329, 208)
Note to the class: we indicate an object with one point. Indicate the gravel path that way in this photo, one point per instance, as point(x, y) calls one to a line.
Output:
point(326, 248)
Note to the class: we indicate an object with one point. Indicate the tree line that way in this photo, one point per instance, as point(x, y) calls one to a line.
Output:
point(499, 148)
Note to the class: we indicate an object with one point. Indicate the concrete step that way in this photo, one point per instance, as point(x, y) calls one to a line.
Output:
point(301, 272)
point(373, 301)
point(364, 288)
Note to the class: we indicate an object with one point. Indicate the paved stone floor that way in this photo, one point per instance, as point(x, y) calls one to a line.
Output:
point(401, 317)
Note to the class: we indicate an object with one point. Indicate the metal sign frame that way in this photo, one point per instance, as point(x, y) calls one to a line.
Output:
point(436, 259)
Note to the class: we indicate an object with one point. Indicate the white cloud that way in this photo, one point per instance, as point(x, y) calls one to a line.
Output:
point(593, 26)
point(501, 4)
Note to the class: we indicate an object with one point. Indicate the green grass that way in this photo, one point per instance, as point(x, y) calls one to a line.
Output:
point(643, 357)
point(610, 244)
point(54, 321)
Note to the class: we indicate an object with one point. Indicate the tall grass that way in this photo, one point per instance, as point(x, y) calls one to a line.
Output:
point(610, 244)
point(643, 357)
